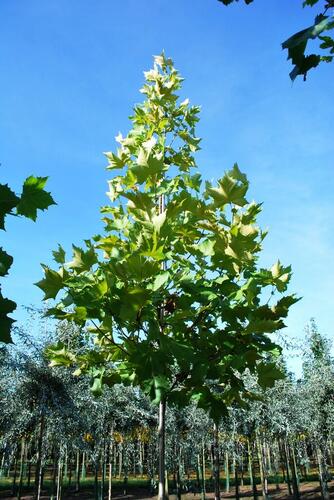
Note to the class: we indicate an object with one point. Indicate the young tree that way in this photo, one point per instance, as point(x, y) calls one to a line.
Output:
point(176, 304)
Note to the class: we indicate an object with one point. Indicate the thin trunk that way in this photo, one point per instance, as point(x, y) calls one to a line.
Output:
point(262, 472)
point(203, 472)
point(15, 475)
point(110, 470)
point(77, 473)
point(251, 469)
point(2, 465)
point(96, 479)
point(54, 476)
point(59, 478)
point(236, 480)
point(227, 473)
point(287, 469)
point(295, 488)
point(83, 466)
point(141, 470)
point(103, 472)
point(216, 462)
point(242, 469)
point(29, 473)
point(21, 469)
point(162, 494)
point(69, 470)
point(38, 471)
point(323, 475)
point(120, 461)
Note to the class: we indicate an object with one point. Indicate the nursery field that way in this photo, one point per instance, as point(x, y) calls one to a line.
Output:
point(167, 351)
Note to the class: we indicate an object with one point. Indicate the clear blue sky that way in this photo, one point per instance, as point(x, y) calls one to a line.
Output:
point(70, 73)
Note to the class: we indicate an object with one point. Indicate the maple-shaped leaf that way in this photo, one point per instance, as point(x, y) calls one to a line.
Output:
point(34, 197)
point(297, 43)
point(8, 201)
point(59, 255)
point(5, 262)
point(6, 306)
point(51, 283)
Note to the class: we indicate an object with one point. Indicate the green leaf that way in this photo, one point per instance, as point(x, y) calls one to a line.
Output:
point(52, 283)
point(161, 386)
point(297, 43)
point(6, 307)
point(59, 255)
point(5, 262)
point(160, 280)
point(34, 197)
point(232, 188)
point(268, 373)
point(207, 247)
point(59, 355)
point(83, 260)
point(115, 161)
point(8, 201)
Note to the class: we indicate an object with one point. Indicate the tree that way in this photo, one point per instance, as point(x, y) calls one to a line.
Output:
point(32, 198)
point(296, 45)
point(176, 304)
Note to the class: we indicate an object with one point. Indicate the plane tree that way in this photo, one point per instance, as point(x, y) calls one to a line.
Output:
point(171, 293)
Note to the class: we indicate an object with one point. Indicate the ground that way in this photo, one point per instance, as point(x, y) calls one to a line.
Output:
point(309, 490)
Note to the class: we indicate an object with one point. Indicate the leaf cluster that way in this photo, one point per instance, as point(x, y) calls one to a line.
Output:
point(296, 45)
point(32, 198)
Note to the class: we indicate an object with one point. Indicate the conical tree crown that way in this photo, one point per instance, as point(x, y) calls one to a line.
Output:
point(176, 302)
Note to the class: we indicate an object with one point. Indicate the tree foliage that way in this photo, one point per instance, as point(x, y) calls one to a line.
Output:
point(32, 198)
point(296, 45)
point(176, 303)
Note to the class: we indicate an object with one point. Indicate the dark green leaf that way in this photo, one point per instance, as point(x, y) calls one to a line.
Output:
point(5, 262)
point(34, 197)
point(8, 201)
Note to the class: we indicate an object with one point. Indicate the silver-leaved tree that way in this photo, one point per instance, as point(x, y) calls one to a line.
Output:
point(171, 293)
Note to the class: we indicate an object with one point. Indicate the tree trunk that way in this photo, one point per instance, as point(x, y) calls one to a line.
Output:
point(110, 470)
point(216, 471)
point(15, 475)
point(59, 478)
point(251, 469)
point(103, 471)
point(262, 471)
point(227, 474)
point(39, 471)
point(236, 480)
point(77, 473)
point(290, 460)
point(162, 494)
point(54, 476)
point(96, 479)
point(21, 469)
point(323, 475)
point(203, 472)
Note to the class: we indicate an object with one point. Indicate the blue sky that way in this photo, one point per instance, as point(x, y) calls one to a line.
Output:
point(70, 73)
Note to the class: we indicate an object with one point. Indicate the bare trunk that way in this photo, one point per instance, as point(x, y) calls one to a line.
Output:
point(162, 494)
point(216, 471)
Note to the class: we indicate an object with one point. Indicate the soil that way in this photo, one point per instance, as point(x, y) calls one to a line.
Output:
point(308, 490)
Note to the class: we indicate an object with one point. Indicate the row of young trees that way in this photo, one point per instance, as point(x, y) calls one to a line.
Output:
point(55, 432)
